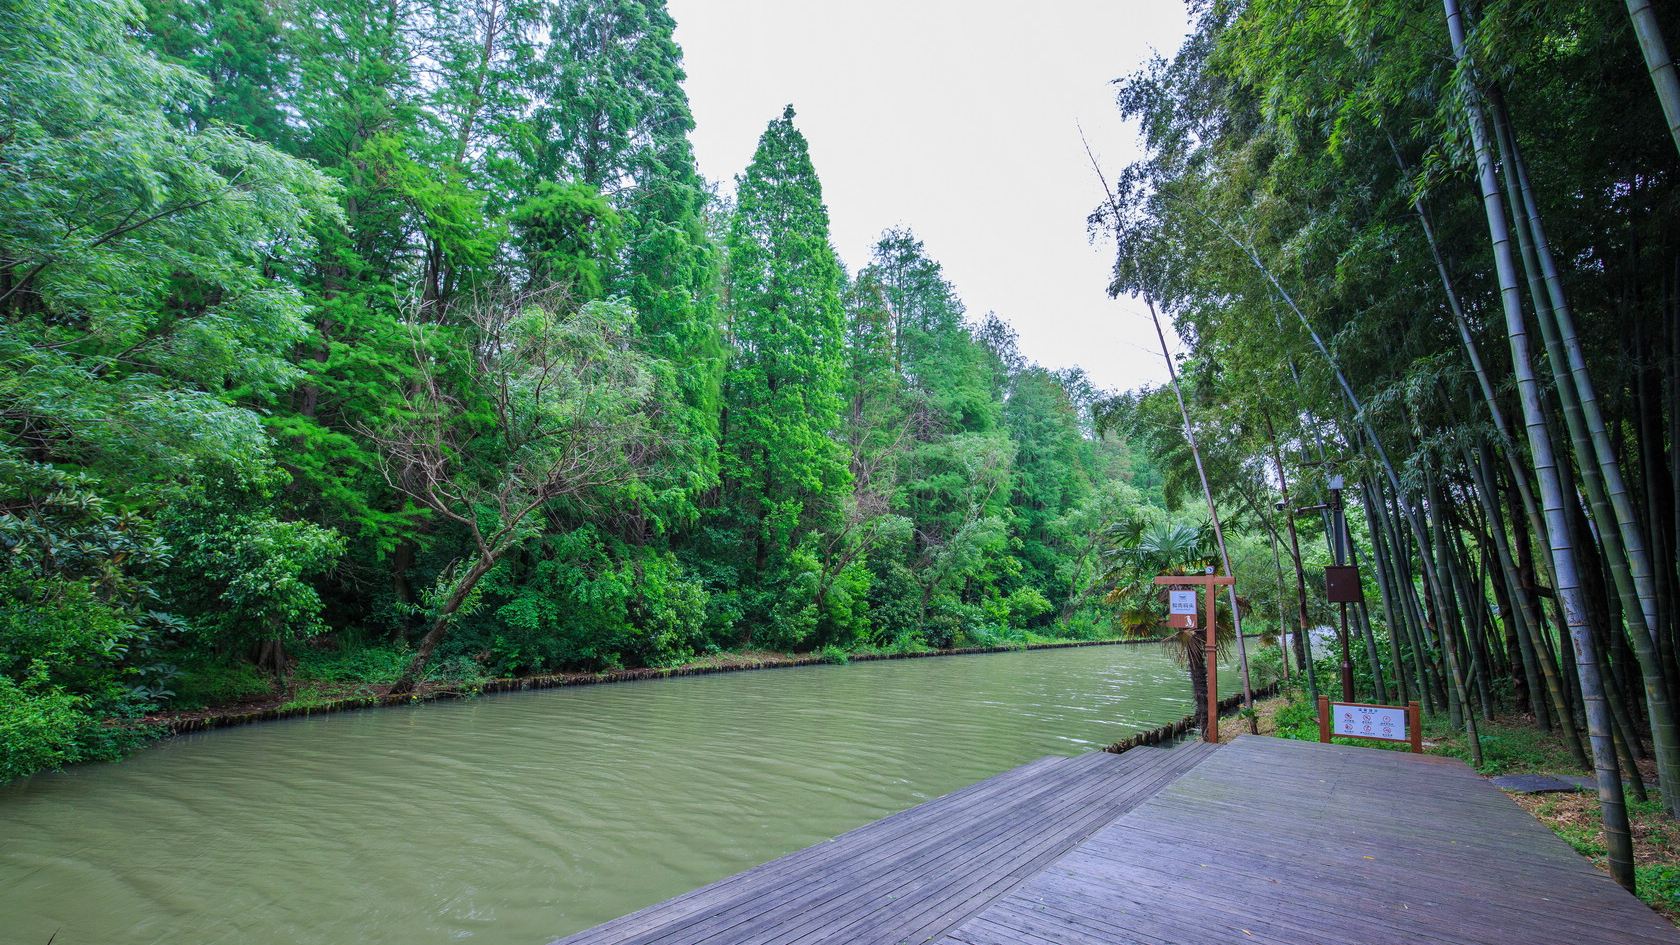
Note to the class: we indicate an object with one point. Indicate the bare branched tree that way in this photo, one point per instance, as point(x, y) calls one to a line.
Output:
point(550, 404)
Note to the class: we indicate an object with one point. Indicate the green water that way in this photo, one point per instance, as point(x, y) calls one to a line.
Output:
point(520, 818)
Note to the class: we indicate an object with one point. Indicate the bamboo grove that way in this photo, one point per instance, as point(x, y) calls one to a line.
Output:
point(1432, 247)
point(401, 343)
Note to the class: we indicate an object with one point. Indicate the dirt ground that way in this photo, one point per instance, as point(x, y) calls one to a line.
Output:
point(1265, 711)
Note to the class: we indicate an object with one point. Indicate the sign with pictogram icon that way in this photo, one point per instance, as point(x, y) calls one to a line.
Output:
point(1387, 723)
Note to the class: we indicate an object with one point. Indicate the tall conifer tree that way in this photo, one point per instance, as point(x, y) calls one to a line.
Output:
point(612, 114)
point(784, 471)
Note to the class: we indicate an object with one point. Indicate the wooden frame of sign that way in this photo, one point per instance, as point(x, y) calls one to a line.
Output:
point(1414, 722)
point(1210, 647)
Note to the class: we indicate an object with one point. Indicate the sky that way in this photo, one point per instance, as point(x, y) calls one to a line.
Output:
point(960, 120)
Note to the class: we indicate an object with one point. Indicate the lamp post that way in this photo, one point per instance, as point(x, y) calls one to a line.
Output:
point(1341, 580)
point(1340, 516)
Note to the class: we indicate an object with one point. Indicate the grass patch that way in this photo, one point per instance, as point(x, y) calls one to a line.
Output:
point(1266, 713)
point(1656, 841)
point(1659, 886)
point(310, 697)
point(904, 643)
point(1509, 746)
point(370, 665)
point(209, 684)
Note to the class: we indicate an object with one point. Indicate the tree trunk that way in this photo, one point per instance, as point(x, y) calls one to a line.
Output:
point(1363, 619)
point(1389, 615)
point(1283, 646)
point(1213, 512)
point(1451, 624)
point(1410, 606)
point(440, 626)
point(1530, 621)
point(1198, 688)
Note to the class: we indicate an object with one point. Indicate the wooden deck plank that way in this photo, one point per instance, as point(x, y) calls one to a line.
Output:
point(1277, 841)
point(930, 905)
point(927, 923)
point(845, 867)
point(1261, 841)
point(889, 888)
point(919, 872)
point(882, 834)
point(858, 878)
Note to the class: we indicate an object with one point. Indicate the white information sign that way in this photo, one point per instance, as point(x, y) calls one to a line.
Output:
point(1369, 721)
point(1183, 602)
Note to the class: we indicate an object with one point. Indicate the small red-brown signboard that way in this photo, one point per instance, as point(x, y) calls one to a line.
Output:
point(1341, 583)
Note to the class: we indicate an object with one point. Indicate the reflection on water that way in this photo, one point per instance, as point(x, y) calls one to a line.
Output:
point(519, 818)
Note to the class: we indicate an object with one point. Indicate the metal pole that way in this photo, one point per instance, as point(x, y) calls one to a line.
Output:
point(1341, 558)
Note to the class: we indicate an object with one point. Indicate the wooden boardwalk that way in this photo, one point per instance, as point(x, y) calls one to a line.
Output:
point(1262, 840)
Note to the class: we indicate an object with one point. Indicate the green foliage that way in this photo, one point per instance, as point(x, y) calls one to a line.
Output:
point(354, 664)
point(1298, 717)
point(1507, 747)
point(334, 335)
point(309, 697)
point(568, 233)
point(40, 729)
point(579, 599)
point(62, 674)
point(1659, 883)
point(214, 682)
point(245, 571)
point(785, 477)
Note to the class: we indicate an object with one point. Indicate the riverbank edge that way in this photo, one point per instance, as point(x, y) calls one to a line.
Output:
point(1175, 730)
point(171, 724)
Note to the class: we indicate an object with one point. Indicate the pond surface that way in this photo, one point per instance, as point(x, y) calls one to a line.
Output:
point(515, 819)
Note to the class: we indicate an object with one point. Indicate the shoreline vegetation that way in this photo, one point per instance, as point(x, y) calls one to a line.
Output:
point(399, 353)
point(312, 697)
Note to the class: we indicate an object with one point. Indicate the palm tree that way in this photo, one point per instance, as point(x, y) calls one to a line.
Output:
point(1138, 551)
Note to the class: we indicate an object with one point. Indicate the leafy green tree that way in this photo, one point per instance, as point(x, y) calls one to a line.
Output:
point(784, 474)
point(245, 571)
point(568, 233)
point(1052, 469)
point(148, 291)
point(552, 406)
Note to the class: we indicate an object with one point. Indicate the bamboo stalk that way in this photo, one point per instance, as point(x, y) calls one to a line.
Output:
point(1619, 531)
point(1618, 840)
point(1658, 63)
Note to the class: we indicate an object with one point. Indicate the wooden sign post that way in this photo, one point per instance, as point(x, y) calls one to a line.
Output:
point(1210, 732)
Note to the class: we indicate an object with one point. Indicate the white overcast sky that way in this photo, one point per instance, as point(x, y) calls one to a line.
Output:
point(960, 120)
